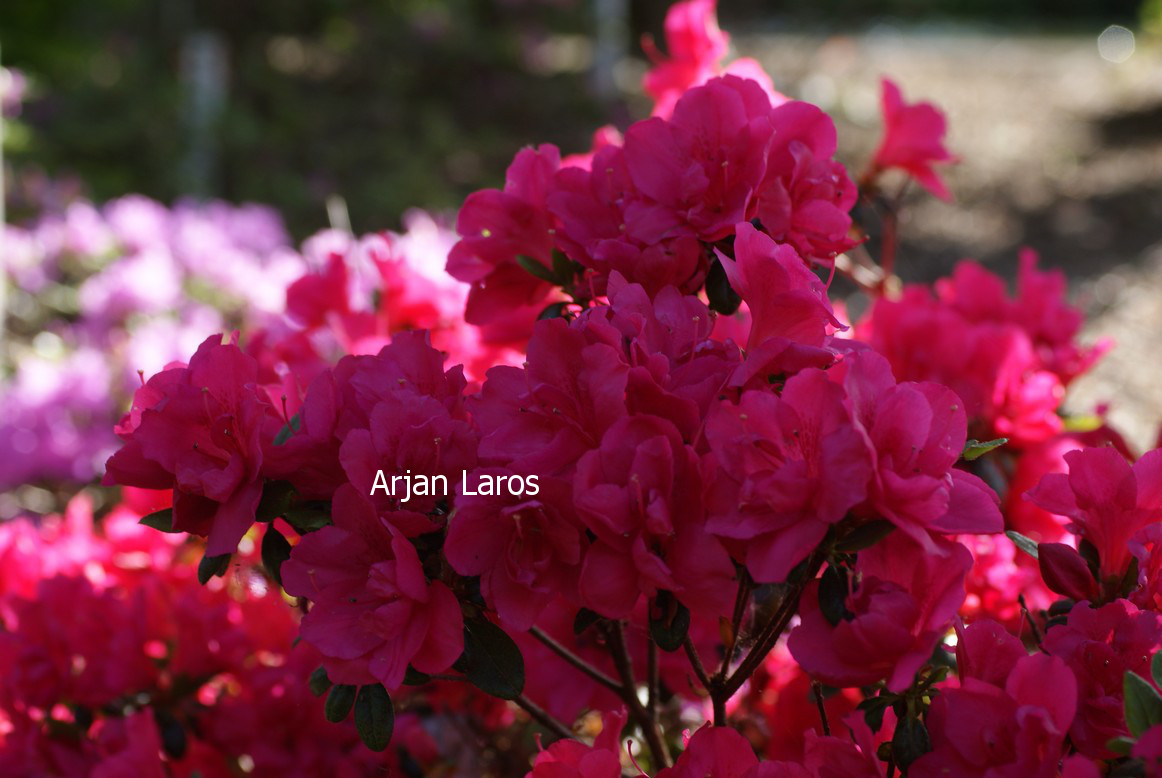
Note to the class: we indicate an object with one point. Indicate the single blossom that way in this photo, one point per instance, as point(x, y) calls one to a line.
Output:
point(899, 604)
point(993, 366)
point(695, 48)
point(199, 430)
point(639, 494)
point(784, 468)
point(1100, 645)
point(1015, 729)
point(572, 759)
point(918, 431)
point(1108, 500)
point(699, 170)
point(805, 197)
point(785, 299)
point(607, 225)
point(913, 140)
point(526, 549)
point(717, 751)
point(375, 612)
point(496, 227)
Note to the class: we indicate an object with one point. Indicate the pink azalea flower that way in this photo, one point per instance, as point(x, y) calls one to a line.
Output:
point(1100, 645)
point(986, 651)
point(1149, 750)
point(779, 696)
point(541, 418)
point(1108, 500)
point(599, 212)
point(639, 493)
point(918, 432)
point(497, 226)
point(805, 196)
point(699, 170)
point(998, 570)
point(1039, 308)
point(526, 549)
point(132, 748)
point(785, 299)
point(552, 683)
point(573, 759)
point(718, 751)
point(199, 430)
point(784, 469)
point(830, 757)
point(1015, 729)
point(992, 366)
point(696, 47)
point(913, 140)
point(900, 604)
point(374, 610)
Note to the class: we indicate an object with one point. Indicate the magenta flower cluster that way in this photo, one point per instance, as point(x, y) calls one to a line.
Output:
point(766, 541)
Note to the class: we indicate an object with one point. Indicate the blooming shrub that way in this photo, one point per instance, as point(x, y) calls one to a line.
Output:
point(651, 504)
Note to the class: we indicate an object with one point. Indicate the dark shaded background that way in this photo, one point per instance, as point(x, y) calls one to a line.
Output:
point(388, 103)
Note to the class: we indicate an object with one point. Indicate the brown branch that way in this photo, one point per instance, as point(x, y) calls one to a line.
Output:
point(644, 718)
point(817, 691)
point(577, 661)
point(741, 600)
point(724, 688)
point(653, 677)
point(696, 662)
point(542, 716)
point(1029, 617)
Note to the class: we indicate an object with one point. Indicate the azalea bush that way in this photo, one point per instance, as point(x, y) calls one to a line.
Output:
point(623, 492)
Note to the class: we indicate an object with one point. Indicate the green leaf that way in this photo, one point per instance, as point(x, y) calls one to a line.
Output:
point(290, 428)
point(1130, 579)
point(159, 520)
point(535, 268)
point(873, 711)
point(833, 592)
point(339, 702)
point(721, 295)
point(1156, 668)
point(1090, 554)
point(275, 550)
point(1143, 703)
point(975, 449)
point(319, 683)
point(563, 268)
point(910, 742)
point(1028, 545)
point(584, 619)
point(492, 661)
point(277, 498)
point(554, 311)
point(1121, 745)
point(413, 677)
point(211, 567)
point(308, 517)
point(669, 621)
point(864, 536)
point(374, 717)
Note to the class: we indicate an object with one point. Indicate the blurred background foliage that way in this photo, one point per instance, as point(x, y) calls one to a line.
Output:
point(387, 103)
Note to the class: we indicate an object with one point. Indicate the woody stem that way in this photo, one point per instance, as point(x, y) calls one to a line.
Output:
point(724, 688)
point(577, 661)
point(644, 718)
point(543, 717)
